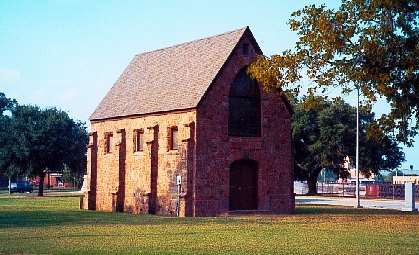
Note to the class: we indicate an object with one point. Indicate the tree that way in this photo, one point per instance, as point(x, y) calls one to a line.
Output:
point(77, 163)
point(324, 134)
point(389, 177)
point(45, 139)
point(6, 104)
point(370, 45)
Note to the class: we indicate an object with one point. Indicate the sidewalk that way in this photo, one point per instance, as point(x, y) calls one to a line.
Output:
point(347, 201)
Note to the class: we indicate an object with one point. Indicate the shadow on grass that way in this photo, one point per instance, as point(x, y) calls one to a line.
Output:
point(31, 211)
point(38, 218)
point(16, 219)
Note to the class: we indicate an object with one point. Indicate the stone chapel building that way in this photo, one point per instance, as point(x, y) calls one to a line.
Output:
point(190, 114)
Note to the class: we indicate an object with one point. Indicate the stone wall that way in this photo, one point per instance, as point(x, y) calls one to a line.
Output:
point(216, 151)
point(144, 181)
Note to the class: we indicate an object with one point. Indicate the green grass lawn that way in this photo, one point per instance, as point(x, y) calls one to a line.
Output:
point(55, 225)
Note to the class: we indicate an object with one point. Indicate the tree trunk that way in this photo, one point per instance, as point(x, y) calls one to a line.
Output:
point(312, 186)
point(312, 182)
point(41, 185)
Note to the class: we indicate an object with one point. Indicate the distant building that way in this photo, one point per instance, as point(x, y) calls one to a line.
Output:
point(351, 178)
point(191, 115)
point(405, 179)
point(51, 180)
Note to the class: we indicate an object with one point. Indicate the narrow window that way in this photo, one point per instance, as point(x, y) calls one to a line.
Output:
point(173, 145)
point(244, 118)
point(138, 140)
point(109, 143)
point(245, 49)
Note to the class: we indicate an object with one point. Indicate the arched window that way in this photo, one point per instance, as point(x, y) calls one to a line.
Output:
point(244, 106)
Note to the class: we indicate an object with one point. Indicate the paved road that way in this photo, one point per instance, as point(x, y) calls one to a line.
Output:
point(345, 201)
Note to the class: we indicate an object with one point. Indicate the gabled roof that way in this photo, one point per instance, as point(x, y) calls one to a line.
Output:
point(168, 79)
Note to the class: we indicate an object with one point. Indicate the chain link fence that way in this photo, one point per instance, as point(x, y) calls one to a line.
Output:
point(330, 188)
point(372, 190)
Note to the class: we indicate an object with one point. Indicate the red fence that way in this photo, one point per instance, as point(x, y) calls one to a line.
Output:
point(394, 191)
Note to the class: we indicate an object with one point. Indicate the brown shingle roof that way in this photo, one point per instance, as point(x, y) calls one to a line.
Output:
point(168, 79)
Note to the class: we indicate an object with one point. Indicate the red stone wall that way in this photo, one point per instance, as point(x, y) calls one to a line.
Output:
point(216, 151)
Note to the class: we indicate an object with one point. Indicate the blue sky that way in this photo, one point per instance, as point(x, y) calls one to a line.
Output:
point(69, 53)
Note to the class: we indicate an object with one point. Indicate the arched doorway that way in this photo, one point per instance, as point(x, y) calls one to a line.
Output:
point(243, 185)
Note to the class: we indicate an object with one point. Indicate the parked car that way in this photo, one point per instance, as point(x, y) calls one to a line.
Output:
point(21, 187)
point(12, 186)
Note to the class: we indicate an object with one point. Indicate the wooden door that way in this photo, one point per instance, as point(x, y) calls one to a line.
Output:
point(243, 188)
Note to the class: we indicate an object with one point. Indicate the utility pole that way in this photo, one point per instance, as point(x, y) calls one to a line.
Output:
point(357, 205)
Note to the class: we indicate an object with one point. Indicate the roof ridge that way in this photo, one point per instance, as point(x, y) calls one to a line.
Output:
point(193, 41)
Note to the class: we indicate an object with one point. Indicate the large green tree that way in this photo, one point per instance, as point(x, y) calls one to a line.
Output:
point(324, 135)
point(6, 105)
point(45, 139)
point(370, 45)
